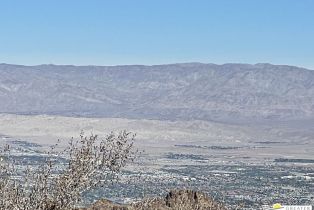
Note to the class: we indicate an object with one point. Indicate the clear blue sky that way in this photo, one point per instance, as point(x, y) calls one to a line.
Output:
point(104, 32)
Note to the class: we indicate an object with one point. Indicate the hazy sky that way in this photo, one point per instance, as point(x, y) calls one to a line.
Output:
point(104, 32)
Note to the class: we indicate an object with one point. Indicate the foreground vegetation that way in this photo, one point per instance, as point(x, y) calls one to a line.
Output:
point(64, 176)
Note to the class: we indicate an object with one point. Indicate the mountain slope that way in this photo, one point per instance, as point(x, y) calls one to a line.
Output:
point(175, 91)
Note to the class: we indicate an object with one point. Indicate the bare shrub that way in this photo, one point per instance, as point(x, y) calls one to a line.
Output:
point(59, 182)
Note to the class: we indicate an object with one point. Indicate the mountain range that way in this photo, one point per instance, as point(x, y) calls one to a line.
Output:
point(185, 91)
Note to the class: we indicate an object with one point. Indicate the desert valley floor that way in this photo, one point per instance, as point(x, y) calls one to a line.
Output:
point(253, 164)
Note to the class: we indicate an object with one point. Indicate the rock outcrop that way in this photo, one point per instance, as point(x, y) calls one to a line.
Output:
point(174, 200)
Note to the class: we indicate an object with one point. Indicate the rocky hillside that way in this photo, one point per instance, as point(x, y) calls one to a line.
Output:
point(174, 200)
point(176, 91)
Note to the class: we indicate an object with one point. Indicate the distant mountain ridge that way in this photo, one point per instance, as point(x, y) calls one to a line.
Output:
point(168, 92)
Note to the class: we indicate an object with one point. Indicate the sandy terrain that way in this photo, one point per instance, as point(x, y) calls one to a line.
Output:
point(161, 137)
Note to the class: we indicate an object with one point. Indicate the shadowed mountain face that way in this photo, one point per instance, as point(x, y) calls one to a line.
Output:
point(172, 92)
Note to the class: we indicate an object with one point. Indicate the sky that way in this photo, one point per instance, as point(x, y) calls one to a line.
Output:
point(119, 32)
